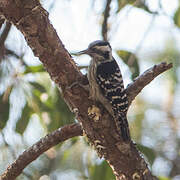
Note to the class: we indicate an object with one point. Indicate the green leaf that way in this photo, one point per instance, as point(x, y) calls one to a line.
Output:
point(101, 171)
point(163, 178)
point(36, 103)
point(141, 4)
point(131, 60)
point(34, 69)
point(59, 112)
point(177, 17)
point(122, 3)
point(24, 119)
point(4, 111)
point(148, 152)
point(136, 124)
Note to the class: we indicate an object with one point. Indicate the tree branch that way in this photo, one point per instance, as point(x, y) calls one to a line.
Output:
point(134, 88)
point(1, 21)
point(3, 37)
point(5, 33)
point(32, 20)
point(50, 140)
point(105, 20)
point(9, 52)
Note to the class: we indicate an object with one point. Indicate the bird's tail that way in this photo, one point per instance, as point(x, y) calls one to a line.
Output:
point(122, 126)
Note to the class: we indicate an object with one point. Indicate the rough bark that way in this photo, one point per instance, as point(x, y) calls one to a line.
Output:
point(32, 20)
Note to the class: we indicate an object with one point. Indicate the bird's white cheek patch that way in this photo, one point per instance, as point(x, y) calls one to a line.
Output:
point(103, 48)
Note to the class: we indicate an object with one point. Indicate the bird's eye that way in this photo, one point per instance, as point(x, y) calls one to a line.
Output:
point(93, 49)
point(106, 54)
point(100, 52)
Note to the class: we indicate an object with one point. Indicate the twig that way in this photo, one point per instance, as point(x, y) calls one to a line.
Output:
point(40, 147)
point(82, 67)
point(9, 52)
point(140, 82)
point(1, 21)
point(3, 38)
point(105, 20)
point(5, 33)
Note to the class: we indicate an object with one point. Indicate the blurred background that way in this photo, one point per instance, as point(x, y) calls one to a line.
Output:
point(142, 33)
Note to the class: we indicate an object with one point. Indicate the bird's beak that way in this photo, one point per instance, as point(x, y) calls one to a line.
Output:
point(86, 51)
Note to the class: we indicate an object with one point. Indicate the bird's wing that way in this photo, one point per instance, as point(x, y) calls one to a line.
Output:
point(110, 81)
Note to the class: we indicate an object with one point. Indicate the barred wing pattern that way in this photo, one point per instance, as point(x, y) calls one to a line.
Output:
point(110, 81)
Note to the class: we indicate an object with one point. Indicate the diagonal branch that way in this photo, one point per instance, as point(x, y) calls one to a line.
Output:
point(134, 88)
point(50, 140)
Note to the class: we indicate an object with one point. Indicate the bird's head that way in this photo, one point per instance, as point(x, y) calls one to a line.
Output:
point(100, 50)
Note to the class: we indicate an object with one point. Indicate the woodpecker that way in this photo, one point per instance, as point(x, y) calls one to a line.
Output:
point(106, 84)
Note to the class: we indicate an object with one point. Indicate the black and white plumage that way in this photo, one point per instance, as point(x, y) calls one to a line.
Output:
point(106, 84)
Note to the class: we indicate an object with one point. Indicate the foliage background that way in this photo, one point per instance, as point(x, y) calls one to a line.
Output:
point(142, 33)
